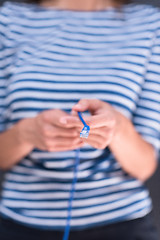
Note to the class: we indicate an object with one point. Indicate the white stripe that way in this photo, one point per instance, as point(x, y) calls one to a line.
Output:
point(90, 210)
point(78, 86)
point(79, 186)
point(78, 222)
point(61, 96)
point(145, 112)
point(66, 154)
point(22, 178)
point(52, 53)
point(61, 195)
point(147, 122)
point(79, 203)
point(51, 174)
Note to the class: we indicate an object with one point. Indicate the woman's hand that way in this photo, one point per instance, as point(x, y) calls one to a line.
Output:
point(47, 133)
point(104, 121)
point(110, 128)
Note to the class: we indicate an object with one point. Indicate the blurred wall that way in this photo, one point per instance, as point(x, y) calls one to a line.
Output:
point(153, 183)
point(153, 2)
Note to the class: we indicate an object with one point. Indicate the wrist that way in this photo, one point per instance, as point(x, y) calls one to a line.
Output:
point(121, 125)
point(24, 131)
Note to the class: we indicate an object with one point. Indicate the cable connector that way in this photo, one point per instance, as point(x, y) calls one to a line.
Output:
point(85, 131)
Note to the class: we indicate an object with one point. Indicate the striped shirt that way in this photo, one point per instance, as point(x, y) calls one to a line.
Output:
point(51, 58)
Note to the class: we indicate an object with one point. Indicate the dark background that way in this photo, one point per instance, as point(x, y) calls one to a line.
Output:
point(152, 183)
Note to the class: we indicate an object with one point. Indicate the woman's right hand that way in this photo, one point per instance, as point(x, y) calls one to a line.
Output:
point(47, 133)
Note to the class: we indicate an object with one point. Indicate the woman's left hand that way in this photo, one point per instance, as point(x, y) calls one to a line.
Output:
point(104, 121)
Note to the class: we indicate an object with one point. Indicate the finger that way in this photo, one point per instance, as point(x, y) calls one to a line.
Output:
point(97, 138)
point(62, 143)
point(74, 113)
point(68, 148)
point(101, 120)
point(71, 121)
point(102, 131)
point(53, 131)
point(97, 121)
point(88, 104)
point(98, 144)
point(53, 116)
point(64, 132)
point(103, 138)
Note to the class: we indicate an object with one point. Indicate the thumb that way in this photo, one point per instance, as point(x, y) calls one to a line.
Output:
point(91, 105)
point(81, 106)
point(53, 116)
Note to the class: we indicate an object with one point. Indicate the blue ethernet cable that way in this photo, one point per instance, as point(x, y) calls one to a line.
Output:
point(83, 134)
point(75, 176)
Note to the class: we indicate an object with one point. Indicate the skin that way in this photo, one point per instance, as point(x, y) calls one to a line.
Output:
point(109, 128)
point(55, 130)
point(82, 5)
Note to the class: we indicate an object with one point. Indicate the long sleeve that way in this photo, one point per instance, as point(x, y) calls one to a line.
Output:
point(147, 115)
point(3, 65)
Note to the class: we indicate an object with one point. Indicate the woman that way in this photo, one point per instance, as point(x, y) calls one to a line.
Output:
point(57, 58)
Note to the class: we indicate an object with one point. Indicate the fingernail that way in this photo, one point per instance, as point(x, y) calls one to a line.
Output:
point(78, 106)
point(63, 120)
point(73, 113)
